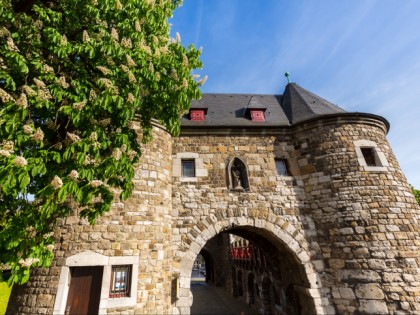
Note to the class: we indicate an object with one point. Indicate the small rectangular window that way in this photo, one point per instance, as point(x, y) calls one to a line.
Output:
point(257, 115)
point(120, 281)
point(188, 168)
point(369, 156)
point(281, 167)
point(197, 114)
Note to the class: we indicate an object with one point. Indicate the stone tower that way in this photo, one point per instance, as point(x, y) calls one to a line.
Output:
point(328, 220)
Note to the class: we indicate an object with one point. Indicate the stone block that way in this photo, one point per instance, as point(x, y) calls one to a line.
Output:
point(373, 307)
point(369, 291)
point(347, 293)
point(336, 263)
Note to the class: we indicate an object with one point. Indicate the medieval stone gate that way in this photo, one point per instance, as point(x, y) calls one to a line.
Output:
point(316, 188)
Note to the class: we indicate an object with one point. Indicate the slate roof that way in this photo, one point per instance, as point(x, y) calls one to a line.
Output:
point(230, 110)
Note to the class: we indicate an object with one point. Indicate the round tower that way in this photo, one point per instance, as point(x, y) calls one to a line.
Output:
point(364, 212)
point(123, 262)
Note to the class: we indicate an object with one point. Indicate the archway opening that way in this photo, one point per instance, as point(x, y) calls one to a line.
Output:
point(257, 269)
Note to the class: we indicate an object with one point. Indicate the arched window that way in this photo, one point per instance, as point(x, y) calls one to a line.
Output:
point(237, 174)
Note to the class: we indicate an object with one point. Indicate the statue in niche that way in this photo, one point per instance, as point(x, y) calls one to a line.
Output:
point(238, 175)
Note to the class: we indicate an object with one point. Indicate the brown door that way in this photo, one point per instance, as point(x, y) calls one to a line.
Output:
point(84, 291)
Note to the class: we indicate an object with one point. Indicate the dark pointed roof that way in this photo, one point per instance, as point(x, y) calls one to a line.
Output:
point(300, 104)
point(230, 110)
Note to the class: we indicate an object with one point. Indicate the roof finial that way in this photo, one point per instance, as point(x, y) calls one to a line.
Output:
point(287, 74)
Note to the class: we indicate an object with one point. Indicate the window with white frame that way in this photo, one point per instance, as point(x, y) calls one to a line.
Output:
point(370, 156)
point(188, 166)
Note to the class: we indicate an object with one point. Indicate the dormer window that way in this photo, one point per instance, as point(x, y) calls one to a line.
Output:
point(197, 114)
point(257, 115)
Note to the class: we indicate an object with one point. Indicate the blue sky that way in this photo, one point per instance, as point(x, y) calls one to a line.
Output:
point(363, 55)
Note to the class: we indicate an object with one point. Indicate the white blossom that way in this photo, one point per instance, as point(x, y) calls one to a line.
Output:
point(28, 90)
point(74, 174)
point(108, 84)
point(11, 44)
point(114, 34)
point(92, 95)
point(96, 183)
point(164, 49)
point(117, 154)
point(202, 81)
point(131, 154)
point(126, 43)
point(86, 37)
point(47, 68)
point(8, 145)
point(49, 234)
point(137, 26)
point(132, 78)
point(184, 83)
point(178, 37)
point(79, 105)
point(28, 129)
point(73, 137)
point(93, 136)
point(5, 97)
point(38, 135)
point(130, 61)
point(125, 68)
point(104, 70)
point(88, 160)
point(22, 101)
point(5, 153)
point(28, 262)
point(40, 84)
point(4, 32)
point(56, 182)
point(174, 75)
point(184, 60)
point(63, 83)
point(31, 231)
point(38, 24)
point(130, 98)
point(63, 40)
point(44, 94)
point(20, 161)
point(50, 247)
point(58, 145)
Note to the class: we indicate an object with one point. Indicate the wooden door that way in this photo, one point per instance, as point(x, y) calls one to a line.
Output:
point(85, 290)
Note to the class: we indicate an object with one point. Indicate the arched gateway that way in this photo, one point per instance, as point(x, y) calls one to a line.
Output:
point(280, 234)
point(287, 193)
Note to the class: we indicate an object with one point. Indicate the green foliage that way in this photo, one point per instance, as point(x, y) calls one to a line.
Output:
point(74, 75)
point(416, 194)
point(5, 291)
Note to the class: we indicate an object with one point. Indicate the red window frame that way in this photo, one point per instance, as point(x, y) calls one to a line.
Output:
point(257, 115)
point(197, 114)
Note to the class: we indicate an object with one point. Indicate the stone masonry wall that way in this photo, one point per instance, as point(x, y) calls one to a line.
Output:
point(278, 200)
point(360, 225)
point(139, 226)
point(367, 221)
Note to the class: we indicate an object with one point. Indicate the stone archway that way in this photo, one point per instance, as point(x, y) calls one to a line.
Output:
point(279, 232)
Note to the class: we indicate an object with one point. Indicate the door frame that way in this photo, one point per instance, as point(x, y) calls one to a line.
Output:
point(89, 258)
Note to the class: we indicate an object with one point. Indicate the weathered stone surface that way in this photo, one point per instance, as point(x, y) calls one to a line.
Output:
point(371, 291)
point(373, 307)
point(348, 236)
